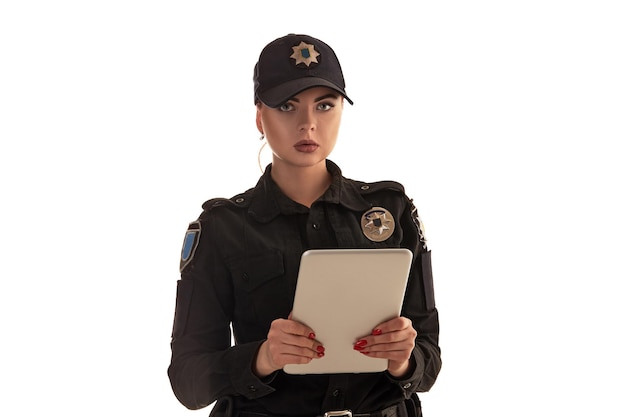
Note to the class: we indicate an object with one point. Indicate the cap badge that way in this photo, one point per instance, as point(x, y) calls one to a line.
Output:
point(305, 54)
point(377, 224)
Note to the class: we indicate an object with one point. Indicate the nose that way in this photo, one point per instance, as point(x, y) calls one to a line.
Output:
point(307, 120)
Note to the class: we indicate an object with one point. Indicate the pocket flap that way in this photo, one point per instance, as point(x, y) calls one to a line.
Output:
point(257, 270)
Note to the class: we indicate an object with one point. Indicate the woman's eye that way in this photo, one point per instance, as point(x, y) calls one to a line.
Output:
point(325, 106)
point(286, 107)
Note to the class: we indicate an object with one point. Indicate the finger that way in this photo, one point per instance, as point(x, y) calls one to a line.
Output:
point(402, 336)
point(294, 327)
point(282, 334)
point(398, 352)
point(283, 352)
point(392, 330)
point(313, 347)
point(394, 355)
point(294, 350)
point(280, 359)
point(395, 324)
point(404, 345)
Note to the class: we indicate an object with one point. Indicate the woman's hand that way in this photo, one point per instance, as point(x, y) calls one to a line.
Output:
point(393, 340)
point(288, 342)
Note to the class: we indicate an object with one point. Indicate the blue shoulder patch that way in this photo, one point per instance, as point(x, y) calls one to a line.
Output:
point(190, 243)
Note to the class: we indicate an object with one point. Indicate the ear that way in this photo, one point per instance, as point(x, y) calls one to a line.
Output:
point(259, 121)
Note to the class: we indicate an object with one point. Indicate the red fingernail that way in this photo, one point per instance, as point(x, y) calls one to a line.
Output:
point(320, 354)
point(361, 343)
point(357, 347)
point(320, 349)
point(376, 332)
point(311, 335)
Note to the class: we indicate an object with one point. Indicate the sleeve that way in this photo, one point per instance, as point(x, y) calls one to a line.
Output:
point(419, 307)
point(204, 365)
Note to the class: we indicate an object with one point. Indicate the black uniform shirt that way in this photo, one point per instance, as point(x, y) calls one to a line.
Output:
point(242, 272)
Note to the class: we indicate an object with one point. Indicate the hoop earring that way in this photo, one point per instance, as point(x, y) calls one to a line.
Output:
point(262, 136)
point(258, 158)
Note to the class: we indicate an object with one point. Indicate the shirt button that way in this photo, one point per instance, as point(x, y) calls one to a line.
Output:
point(365, 187)
point(240, 200)
point(316, 226)
point(407, 386)
point(336, 393)
point(252, 388)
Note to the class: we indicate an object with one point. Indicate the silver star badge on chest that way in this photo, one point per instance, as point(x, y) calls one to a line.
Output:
point(377, 224)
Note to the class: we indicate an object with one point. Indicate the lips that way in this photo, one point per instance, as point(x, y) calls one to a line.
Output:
point(306, 146)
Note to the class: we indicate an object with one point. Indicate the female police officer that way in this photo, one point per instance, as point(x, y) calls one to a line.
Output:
point(240, 261)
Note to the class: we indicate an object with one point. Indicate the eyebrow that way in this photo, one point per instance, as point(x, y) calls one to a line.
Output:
point(324, 97)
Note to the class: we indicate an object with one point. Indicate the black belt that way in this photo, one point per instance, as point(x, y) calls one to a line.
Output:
point(393, 411)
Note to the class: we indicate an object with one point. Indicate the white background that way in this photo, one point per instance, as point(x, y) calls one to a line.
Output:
point(502, 119)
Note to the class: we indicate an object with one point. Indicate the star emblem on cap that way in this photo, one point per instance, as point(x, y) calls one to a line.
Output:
point(305, 54)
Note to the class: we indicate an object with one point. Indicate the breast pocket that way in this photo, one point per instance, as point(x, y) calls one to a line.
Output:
point(261, 292)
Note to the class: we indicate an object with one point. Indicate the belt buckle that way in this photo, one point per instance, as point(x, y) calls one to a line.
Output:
point(340, 413)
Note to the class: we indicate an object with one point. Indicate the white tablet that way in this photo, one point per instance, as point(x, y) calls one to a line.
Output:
point(342, 294)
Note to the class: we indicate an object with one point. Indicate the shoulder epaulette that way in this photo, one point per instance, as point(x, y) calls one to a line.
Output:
point(214, 202)
point(372, 187)
point(240, 201)
point(211, 204)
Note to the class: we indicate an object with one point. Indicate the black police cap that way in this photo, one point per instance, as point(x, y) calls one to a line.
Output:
point(293, 63)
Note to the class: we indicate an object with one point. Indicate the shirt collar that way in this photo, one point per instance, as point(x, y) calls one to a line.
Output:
point(268, 201)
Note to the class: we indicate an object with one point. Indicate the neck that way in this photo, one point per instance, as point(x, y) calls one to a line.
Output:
point(303, 185)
